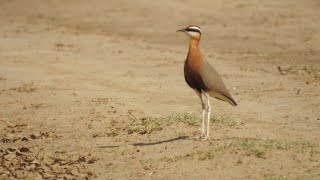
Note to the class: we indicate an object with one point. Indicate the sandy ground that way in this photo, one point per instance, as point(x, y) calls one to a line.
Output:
point(95, 89)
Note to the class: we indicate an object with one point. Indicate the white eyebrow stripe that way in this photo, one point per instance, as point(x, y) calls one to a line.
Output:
point(194, 27)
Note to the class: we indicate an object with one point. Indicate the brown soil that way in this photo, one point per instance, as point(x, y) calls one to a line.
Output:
point(95, 89)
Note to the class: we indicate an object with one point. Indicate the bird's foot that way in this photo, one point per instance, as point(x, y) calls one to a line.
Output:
point(204, 137)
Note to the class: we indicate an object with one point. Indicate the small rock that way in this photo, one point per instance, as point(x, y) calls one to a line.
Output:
point(21, 174)
point(9, 157)
point(28, 158)
point(92, 160)
point(83, 176)
point(82, 158)
point(24, 139)
point(48, 161)
point(4, 176)
point(47, 175)
point(24, 149)
point(74, 171)
point(32, 167)
point(35, 135)
point(27, 168)
point(68, 177)
point(36, 162)
point(36, 176)
point(10, 150)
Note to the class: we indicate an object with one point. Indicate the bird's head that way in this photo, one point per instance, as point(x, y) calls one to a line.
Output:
point(194, 32)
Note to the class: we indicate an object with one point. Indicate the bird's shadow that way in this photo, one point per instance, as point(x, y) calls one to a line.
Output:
point(160, 142)
point(150, 143)
point(107, 146)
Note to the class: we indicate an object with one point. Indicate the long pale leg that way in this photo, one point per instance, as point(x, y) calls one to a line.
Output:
point(203, 134)
point(202, 131)
point(208, 113)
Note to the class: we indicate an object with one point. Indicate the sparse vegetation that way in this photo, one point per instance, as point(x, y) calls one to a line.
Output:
point(281, 177)
point(177, 158)
point(224, 121)
point(148, 164)
point(27, 87)
point(259, 148)
point(204, 155)
point(248, 147)
point(148, 125)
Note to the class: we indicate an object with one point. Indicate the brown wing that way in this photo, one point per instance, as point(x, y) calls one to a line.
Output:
point(193, 78)
point(214, 83)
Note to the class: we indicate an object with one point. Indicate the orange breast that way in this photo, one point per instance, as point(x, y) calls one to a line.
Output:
point(194, 60)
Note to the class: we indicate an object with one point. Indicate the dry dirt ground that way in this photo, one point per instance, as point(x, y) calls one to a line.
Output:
point(95, 90)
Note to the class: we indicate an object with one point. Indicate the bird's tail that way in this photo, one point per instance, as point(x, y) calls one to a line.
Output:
point(223, 97)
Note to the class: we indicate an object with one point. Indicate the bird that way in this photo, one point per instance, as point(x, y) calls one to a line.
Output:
point(203, 78)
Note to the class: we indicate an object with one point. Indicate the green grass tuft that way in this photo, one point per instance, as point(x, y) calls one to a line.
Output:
point(223, 121)
point(148, 125)
point(259, 148)
point(244, 147)
point(205, 155)
point(280, 177)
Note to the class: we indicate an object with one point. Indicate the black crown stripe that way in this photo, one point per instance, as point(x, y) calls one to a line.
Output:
point(193, 30)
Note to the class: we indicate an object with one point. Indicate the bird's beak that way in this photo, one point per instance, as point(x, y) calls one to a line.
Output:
point(181, 30)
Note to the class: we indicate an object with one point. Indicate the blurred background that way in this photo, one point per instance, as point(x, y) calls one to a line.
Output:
point(287, 28)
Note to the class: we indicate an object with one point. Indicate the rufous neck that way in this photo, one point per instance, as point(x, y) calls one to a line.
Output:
point(194, 44)
point(194, 55)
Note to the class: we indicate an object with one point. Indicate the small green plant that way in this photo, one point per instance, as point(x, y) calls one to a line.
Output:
point(205, 155)
point(177, 157)
point(148, 164)
point(223, 121)
point(148, 125)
